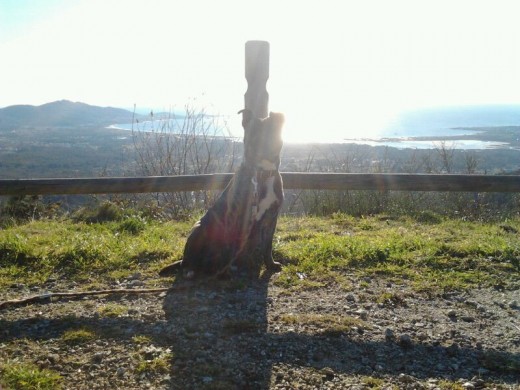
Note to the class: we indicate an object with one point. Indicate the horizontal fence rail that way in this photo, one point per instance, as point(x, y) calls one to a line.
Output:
point(292, 180)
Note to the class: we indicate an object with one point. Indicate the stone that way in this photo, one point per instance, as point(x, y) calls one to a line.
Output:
point(389, 334)
point(405, 341)
point(451, 313)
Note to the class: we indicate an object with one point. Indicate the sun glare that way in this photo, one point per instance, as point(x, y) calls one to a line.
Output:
point(338, 70)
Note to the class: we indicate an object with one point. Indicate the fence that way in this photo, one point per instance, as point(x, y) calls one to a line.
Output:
point(292, 180)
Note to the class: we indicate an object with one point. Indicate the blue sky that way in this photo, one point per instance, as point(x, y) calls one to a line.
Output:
point(347, 66)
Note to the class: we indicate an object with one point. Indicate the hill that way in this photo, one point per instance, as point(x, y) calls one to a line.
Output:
point(61, 113)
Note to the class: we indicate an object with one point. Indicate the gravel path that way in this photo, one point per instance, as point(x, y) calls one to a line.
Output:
point(222, 336)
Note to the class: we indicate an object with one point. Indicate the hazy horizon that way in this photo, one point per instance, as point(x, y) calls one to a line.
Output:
point(358, 62)
point(404, 130)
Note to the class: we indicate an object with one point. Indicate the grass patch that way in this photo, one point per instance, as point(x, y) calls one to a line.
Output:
point(372, 383)
point(78, 336)
point(449, 385)
point(151, 360)
point(426, 252)
point(391, 299)
point(159, 365)
point(112, 310)
point(141, 339)
point(32, 252)
point(23, 376)
point(435, 255)
point(326, 324)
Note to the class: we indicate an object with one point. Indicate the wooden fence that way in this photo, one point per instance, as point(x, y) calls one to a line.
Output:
point(292, 180)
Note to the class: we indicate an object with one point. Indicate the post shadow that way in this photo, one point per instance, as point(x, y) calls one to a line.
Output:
point(220, 337)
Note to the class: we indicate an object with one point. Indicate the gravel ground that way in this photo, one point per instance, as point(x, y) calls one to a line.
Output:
point(227, 336)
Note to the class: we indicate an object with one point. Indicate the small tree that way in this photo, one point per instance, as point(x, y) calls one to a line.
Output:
point(193, 143)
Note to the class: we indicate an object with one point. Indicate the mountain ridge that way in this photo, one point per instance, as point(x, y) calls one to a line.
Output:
point(62, 113)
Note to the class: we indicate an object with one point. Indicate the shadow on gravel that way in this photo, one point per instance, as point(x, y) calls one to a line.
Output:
point(42, 328)
point(221, 340)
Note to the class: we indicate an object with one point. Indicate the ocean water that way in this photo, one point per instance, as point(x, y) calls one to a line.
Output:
point(405, 131)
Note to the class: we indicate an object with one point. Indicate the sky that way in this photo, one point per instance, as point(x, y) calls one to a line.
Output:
point(337, 68)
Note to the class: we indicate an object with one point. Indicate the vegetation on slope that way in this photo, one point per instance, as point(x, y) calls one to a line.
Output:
point(428, 252)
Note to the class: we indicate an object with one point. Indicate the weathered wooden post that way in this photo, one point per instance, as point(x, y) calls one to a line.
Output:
point(266, 145)
point(236, 233)
point(256, 98)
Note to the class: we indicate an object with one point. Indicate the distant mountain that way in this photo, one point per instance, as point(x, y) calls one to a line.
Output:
point(62, 113)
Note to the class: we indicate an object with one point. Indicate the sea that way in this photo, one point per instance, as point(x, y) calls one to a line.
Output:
point(417, 129)
point(427, 128)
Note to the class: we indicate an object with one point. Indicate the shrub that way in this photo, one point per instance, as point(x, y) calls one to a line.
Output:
point(105, 212)
point(133, 225)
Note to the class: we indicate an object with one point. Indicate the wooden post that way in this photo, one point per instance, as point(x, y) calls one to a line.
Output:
point(256, 97)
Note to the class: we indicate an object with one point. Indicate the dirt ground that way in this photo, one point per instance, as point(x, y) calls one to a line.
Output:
point(229, 335)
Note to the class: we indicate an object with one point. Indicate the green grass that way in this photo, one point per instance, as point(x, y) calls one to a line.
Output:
point(327, 324)
point(33, 252)
point(78, 336)
point(22, 376)
point(141, 339)
point(427, 253)
point(159, 365)
point(113, 310)
point(446, 255)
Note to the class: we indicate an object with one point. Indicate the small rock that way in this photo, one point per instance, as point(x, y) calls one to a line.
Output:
point(452, 350)
point(471, 303)
point(405, 341)
point(97, 358)
point(451, 313)
point(389, 334)
point(513, 304)
point(467, 318)
point(351, 298)
point(328, 373)
point(120, 372)
point(468, 385)
point(363, 314)
point(403, 378)
point(53, 358)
